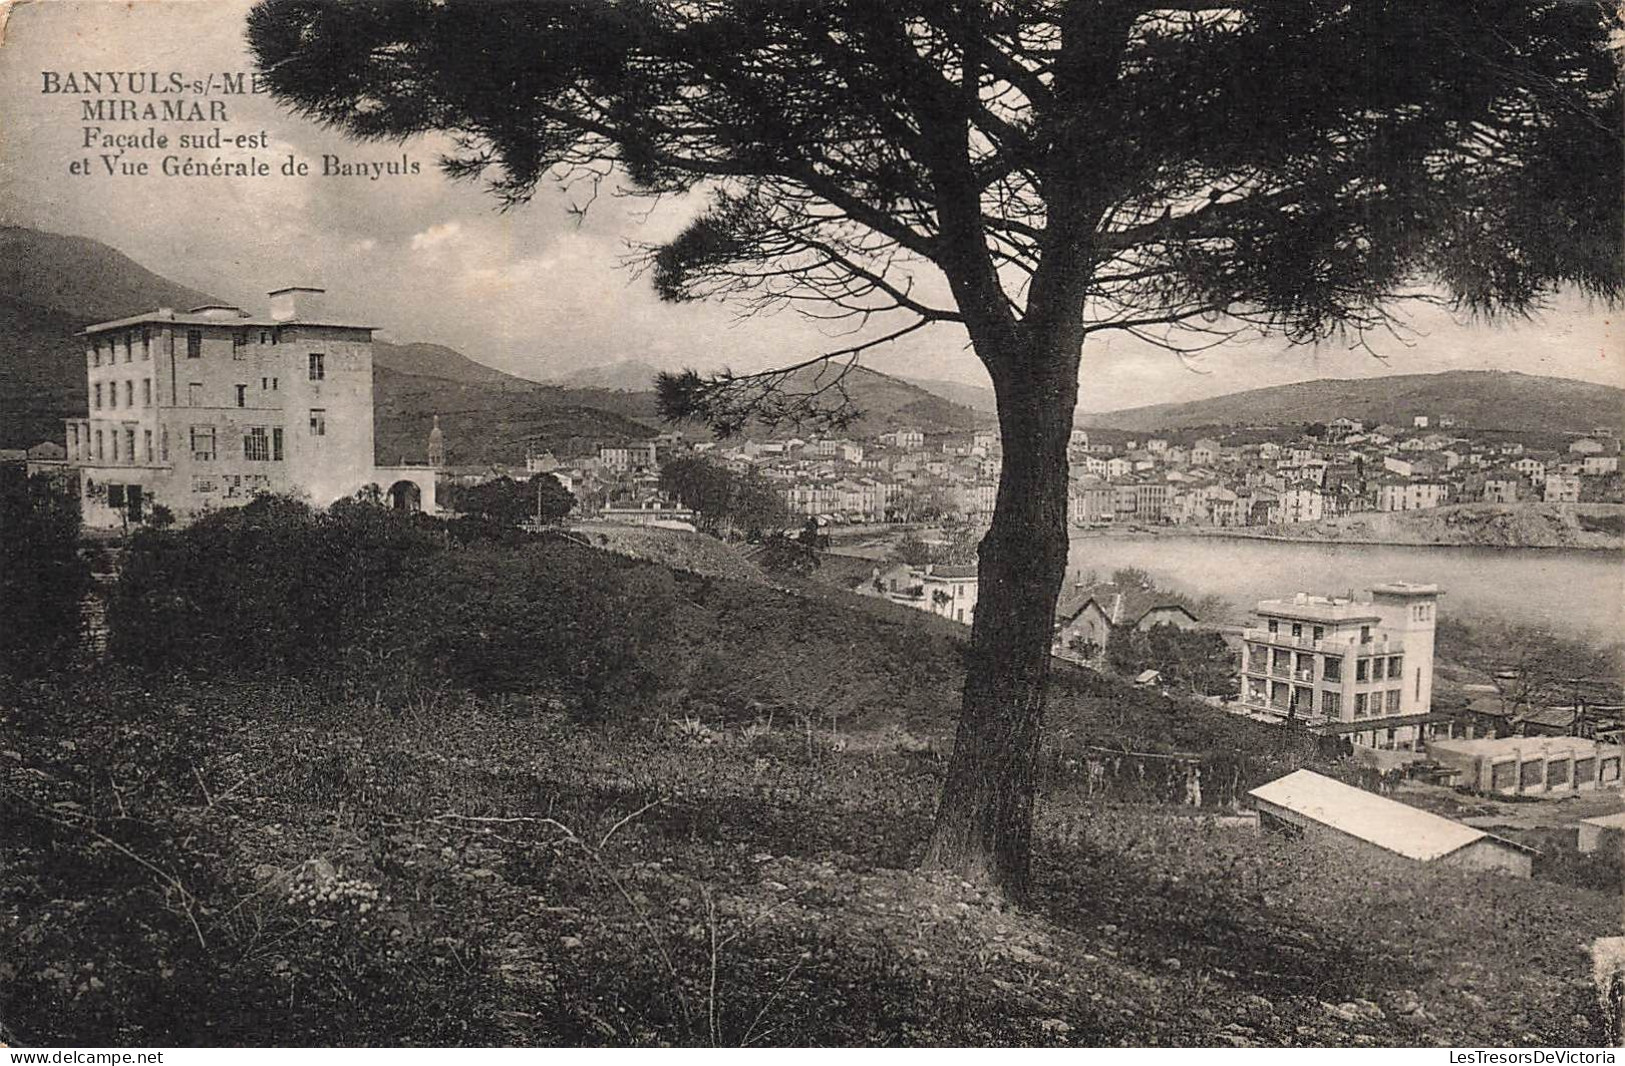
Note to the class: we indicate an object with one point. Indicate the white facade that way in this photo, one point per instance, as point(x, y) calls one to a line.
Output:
point(1363, 668)
point(207, 408)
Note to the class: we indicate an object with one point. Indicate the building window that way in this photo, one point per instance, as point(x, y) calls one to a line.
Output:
point(114, 435)
point(239, 344)
point(129, 347)
point(1275, 626)
point(1362, 669)
point(146, 343)
point(96, 352)
point(1297, 629)
point(273, 384)
point(73, 441)
point(146, 439)
point(203, 444)
point(1419, 683)
point(256, 445)
point(146, 392)
point(276, 444)
point(100, 454)
point(1396, 666)
point(98, 396)
point(194, 394)
point(1360, 704)
point(129, 445)
point(265, 337)
point(1331, 668)
point(1331, 704)
point(1365, 634)
point(112, 394)
point(1531, 773)
point(1320, 632)
point(194, 344)
point(115, 495)
point(129, 394)
point(202, 483)
point(1393, 701)
point(1557, 773)
point(318, 366)
point(163, 444)
point(318, 422)
point(242, 395)
point(1585, 771)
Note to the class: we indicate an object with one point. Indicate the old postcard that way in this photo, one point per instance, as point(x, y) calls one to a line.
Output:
point(784, 523)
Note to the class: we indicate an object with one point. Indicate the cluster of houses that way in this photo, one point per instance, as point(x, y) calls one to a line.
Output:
point(1345, 469)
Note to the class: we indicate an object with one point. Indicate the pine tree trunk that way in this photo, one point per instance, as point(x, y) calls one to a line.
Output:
point(984, 820)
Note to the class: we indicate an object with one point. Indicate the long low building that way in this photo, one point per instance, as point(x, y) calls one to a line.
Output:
point(1307, 802)
point(1530, 766)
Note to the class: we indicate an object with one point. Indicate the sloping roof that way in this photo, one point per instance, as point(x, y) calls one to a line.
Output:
point(1123, 605)
point(1393, 826)
point(1606, 821)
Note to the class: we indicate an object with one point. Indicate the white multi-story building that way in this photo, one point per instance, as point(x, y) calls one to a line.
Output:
point(209, 407)
point(1360, 668)
point(1411, 495)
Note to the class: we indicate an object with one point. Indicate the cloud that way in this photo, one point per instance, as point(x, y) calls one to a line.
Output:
point(436, 235)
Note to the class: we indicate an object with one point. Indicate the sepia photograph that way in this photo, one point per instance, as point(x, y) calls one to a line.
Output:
point(812, 524)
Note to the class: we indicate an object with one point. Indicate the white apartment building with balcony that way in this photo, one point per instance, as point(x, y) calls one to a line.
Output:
point(1357, 668)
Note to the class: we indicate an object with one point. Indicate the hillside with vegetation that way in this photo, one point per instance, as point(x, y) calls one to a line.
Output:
point(1476, 399)
point(465, 786)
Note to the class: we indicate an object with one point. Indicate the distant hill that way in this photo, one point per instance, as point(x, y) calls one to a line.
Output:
point(438, 361)
point(627, 375)
point(886, 402)
point(52, 286)
point(1483, 399)
point(976, 397)
point(486, 423)
point(83, 278)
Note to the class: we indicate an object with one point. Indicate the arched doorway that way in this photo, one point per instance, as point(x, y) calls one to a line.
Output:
point(405, 495)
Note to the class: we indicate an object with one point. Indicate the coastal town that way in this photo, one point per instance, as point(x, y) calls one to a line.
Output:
point(211, 407)
point(829, 525)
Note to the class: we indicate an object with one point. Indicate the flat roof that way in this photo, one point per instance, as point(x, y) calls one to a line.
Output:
point(1393, 826)
point(1508, 746)
point(187, 318)
point(1606, 821)
point(1405, 588)
point(1320, 609)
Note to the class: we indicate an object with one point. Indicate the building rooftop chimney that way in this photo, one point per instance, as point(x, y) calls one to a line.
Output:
point(297, 302)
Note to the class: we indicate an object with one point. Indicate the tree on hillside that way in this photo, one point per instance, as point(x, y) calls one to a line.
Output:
point(511, 503)
point(700, 485)
point(723, 500)
point(1033, 173)
point(42, 575)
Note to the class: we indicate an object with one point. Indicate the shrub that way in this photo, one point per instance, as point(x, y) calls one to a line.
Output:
point(42, 577)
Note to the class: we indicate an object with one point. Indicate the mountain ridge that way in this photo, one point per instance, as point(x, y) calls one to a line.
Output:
point(1483, 399)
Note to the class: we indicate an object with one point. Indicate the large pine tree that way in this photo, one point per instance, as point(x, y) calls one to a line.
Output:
point(1036, 172)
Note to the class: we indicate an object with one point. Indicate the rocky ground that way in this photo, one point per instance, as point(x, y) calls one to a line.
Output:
point(247, 864)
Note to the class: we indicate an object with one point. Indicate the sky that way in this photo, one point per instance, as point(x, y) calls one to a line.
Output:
point(538, 291)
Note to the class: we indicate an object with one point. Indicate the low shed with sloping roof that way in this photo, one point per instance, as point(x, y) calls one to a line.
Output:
point(1312, 803)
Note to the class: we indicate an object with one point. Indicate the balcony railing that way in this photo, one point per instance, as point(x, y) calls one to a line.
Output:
point(1329, 647)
